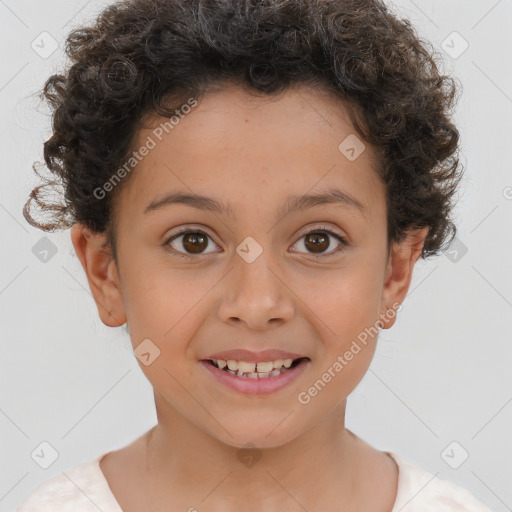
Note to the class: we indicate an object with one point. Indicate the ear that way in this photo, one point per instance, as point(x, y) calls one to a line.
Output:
point(102, 274)
point(399, 273)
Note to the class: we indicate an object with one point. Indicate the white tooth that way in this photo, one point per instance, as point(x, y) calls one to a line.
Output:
point(232, 365)
point(262, 375)
point(246, 367)
point(265, 366)
point(262, 367)
point(275, 372)
point(253, 375)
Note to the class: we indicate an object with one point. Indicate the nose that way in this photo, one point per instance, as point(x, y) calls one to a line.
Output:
point(256, 294)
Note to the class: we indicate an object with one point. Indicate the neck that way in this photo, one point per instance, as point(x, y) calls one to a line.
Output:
point(314, 468)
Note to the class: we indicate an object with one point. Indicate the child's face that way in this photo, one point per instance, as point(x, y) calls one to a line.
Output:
point(300, 295)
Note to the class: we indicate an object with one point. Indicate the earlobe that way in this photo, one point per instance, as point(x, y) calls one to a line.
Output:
point(398, 273)
point(98, 264)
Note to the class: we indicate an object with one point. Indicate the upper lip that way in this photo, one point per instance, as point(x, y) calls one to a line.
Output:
point(253, 357)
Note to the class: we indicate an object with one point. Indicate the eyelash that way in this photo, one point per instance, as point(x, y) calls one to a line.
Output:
point(185, 231)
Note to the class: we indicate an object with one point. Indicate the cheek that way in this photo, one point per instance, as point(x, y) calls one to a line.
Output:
point(161, 301)
point(345, 303)
point(162, 312)
point(165, 307)
point(345, 309)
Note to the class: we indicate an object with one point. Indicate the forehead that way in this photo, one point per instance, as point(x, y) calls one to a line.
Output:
point(249, 149)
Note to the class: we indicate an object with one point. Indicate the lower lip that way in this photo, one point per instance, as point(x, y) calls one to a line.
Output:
point(256, 386)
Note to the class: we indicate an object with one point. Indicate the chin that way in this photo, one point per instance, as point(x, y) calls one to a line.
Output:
point(266, 434)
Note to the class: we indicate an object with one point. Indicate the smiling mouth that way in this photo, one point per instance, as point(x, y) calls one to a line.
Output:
point(259, 374)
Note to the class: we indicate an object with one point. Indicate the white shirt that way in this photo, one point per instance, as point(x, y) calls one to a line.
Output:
point(85, 489)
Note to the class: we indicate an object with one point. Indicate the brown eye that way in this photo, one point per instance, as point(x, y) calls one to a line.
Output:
point(189, 242)
point(195, 242)
point(318, 241)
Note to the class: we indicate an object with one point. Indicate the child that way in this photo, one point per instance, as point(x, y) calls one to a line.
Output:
point(205, 149)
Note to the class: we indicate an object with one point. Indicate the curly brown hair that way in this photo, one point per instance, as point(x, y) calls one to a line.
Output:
point(140, 53)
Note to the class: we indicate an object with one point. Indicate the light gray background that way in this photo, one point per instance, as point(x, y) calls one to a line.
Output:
point(441, 374)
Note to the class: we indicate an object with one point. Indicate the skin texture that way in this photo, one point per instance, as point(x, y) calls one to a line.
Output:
point(254, 153)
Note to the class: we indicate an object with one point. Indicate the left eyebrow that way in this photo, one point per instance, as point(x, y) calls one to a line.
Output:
point(292, 203)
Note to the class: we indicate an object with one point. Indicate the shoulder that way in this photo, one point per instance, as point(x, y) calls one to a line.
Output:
point(80, 489)
point(419, 490)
